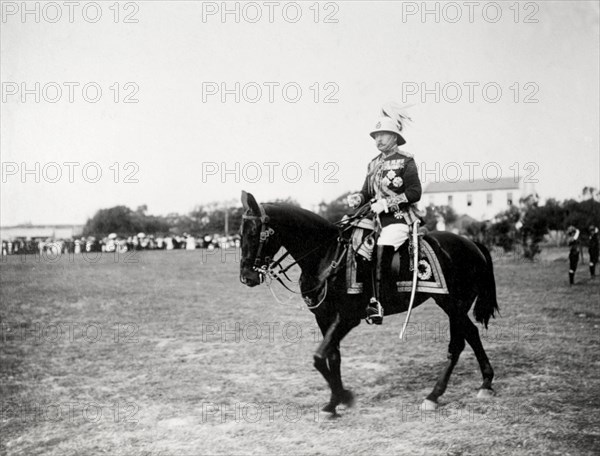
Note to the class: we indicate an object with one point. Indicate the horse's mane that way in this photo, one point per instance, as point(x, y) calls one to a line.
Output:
point(294, 216)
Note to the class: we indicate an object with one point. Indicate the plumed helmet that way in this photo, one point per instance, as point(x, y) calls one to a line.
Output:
point(393, 120)
point(390, 126)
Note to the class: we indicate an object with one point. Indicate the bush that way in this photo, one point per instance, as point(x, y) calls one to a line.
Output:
point(503, 232)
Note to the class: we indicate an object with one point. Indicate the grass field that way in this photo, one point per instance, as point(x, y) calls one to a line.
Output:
point(172, 355)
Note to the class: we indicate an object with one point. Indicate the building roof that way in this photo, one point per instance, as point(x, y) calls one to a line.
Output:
point(477, 185)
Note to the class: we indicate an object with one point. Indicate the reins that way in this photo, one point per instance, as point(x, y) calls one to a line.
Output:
point(267, 270)
point(344, 222)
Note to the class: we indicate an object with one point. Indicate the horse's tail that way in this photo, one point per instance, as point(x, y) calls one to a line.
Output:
point(486, 305)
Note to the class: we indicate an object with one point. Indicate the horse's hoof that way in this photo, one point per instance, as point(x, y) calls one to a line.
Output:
point(348, 398)
point(330, 408)
point(428, 406)
point(485, 393)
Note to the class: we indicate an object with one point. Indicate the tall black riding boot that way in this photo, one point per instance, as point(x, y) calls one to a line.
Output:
point(592, 271)
point(385, 254)
point(571, 278)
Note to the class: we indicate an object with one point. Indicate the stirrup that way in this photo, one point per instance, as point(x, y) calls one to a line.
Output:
point(374, 312)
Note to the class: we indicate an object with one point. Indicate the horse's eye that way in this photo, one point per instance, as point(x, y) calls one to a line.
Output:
point(248, 228)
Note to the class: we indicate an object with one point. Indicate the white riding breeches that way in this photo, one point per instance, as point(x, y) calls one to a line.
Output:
point(394, 234)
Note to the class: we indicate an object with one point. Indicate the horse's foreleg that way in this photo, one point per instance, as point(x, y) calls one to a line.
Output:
point(339, 395)
point(328, 362)
point(320, 356)
point(472, 336)
point(455, 348)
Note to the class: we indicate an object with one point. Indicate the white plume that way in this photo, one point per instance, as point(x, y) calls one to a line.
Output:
point(397, 113)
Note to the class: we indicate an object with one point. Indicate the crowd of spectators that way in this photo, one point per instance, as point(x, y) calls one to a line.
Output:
point(113, 242)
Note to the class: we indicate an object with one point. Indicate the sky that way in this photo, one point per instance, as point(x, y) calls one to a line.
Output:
point(175, 104)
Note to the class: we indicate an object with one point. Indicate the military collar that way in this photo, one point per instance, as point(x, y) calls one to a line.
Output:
point(397, 152)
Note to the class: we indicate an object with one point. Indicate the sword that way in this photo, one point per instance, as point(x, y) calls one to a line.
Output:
point(415, 271)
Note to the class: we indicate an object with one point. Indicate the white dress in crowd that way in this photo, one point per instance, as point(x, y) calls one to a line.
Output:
point(190, 243)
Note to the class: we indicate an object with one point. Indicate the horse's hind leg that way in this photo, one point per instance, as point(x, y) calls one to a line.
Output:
point(455, 348)
point(472, 337)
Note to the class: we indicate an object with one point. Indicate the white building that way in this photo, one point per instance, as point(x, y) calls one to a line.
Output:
point(480, 199)
point(40, 231)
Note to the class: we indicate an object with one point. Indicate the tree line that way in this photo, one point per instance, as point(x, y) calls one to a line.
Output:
point(527, 224)
point(203, 219)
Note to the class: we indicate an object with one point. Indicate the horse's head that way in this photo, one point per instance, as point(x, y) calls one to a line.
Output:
point(260, 242)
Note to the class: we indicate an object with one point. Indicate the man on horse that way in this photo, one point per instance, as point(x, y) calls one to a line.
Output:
point(393, 186)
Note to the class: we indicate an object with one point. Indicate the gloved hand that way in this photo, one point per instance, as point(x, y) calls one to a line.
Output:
point(354, 200)
point(379, 206)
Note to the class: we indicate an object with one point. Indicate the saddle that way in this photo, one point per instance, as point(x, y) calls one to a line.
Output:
point(430, 276)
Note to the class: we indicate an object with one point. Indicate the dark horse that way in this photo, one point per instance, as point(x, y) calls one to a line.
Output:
point(313, 243)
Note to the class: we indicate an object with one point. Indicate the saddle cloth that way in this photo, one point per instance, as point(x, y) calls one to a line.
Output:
point(430, 276)
point(358, 266)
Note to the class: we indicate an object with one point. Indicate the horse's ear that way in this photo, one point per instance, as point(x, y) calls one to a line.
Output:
point(249, 202)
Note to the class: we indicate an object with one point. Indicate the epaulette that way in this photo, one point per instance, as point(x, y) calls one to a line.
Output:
point(374, 160)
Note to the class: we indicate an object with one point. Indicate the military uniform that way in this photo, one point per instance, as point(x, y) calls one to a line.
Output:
point(593, 250)
point(573, 242)
point(393, 177)
point(393, 182)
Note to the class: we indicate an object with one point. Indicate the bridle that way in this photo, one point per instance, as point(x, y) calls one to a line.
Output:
point(266, 268)
point(261, 265)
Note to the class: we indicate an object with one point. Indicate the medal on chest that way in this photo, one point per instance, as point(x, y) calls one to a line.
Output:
point(390, 174)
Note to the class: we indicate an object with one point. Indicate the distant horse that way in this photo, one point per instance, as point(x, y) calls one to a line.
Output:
point(313, 243)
